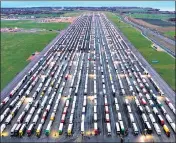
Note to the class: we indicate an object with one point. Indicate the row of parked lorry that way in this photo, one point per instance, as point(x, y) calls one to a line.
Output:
point(49, 60)
point(144, 90)
point(55, 67)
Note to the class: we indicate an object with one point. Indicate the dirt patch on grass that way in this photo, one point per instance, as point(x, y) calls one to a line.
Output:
point(11, 29)
point(10, 68)
point(165, 29)
point(170, 66)
point(33, 56)
point(17, 30)
point(155, 27)
point(57, 20)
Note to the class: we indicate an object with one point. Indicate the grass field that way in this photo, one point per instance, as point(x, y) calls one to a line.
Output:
point(170, 34)
point(152, 16)
point(138, 10)
point(17, 47)
point(15, 50)
point(166, 65)
point(42, 15)
point(66, 14)
point(29, 24)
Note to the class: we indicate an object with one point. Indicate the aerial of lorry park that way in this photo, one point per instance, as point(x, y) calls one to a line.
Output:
point(89, 85)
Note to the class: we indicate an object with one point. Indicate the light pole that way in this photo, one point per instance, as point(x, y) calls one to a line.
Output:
point(145, 132)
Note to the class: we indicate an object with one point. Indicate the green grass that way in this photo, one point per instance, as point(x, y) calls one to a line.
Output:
point(152, 16)
point(138, 10)
point(166, 65)
point(17, 47)
point(170, 34)
point(29, 24)
point(42, 15)
point(15, 50)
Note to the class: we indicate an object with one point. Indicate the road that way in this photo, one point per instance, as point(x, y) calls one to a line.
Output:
point(158, 39)
point(90, 66)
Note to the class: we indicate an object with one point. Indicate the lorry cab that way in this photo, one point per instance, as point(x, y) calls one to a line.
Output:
point(136, 131)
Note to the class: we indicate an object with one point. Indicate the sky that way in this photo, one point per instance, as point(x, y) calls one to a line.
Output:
point(162, 5)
